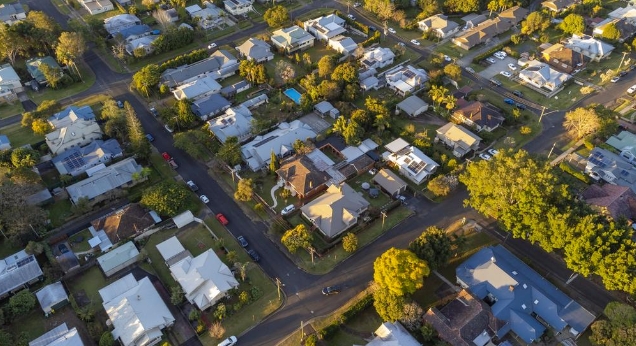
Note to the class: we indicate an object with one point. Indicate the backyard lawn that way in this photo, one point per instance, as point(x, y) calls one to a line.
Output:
point(79, 241)
point(59, 212)
point(356, 184)
point(87, 286)
point(20, 136)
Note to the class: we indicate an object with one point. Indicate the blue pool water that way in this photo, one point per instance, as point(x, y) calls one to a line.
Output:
point(293, 94)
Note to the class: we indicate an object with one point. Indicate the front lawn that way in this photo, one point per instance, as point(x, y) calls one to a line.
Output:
point(88, 79)
point(20, 136)
point(10, 109)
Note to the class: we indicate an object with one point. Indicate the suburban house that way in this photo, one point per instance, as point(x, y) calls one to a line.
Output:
point(393, 334)
point(343, 44)
point(524, 301)
point(97, 6)
point(611, 168)
point(390, 182)
point(625, 143)
point(625, 27)
point(542, 76)
point(255, 101)
point(514, 15)
point(207, 17)
point(257, 153)
point(256, 50)
point(439, 25)
point(77, 160)
point(337, 210)
point(77, 134)
point(378, 57)
point(558, 5)
point(52, 297)
point(472, 20)
point(173, 15)
point(5, 143)
point(12, 13)
point(302, 177)
point(368, 80)
point(406, 79)
point(614, 201)
point(221, 64)
point(236, 122)
point(136, 311)
point(233, 89)
point(102, 181)
point(464, 321)
point(59, 336)
point(412, 106)
point(292, 39)
point(17, 272)
point(357, 160)
point(132, 32)
point(592, 48)
point(118, 258)
point(128, 2)
point(33, 66)
point(144, 42)
point(562, 58)
point(481, 116)
point(197, 88)
point(238, 7)
point(40, 197)
point(458, 138)
point(410, 161)
point(628, 13)
point(124, 223)
point(210, 106)
point(325, 108)
point(485, 31)
point(70, 115)
point(116, 24)
point(10, 84)
point(326, 27)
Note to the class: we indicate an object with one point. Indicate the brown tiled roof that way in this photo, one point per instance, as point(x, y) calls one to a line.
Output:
point(618, 200)
point(302, 175)
point(514, 14)
point(124, 223)
point(356, 166)
point(558, 56)
point(481, 114)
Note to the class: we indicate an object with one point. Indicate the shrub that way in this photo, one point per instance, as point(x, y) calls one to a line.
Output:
point(216, 330)
point(194, 315)
point(525, 130)
point(311, 340)
point(577, 174)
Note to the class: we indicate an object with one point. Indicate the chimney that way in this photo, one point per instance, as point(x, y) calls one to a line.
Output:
point(511, 288)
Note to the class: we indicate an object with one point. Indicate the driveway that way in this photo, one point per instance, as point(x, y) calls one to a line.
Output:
point(498, 66)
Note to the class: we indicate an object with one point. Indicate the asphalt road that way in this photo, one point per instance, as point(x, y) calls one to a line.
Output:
point(304, 299)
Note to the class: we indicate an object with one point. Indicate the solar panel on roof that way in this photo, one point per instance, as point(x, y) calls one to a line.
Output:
point(417, 166)
point(409, 74)
point(24, 261)
point(264, 141)
point(624, 173)
point(74, 160)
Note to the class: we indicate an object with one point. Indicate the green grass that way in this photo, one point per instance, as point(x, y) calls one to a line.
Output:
point(7, 248)
point(59, 212)
point(110, 60)
point(157, 261)
point(10, 109)
point(91, 281)
point(20, 136)
point(83, 245)
point(356, 184)
point(160, 165)
point(309, 15)
point(159, 58)
point(563, 100)
point(73, 89)
point(366, 321)
point(33, 324)
point(450, 49)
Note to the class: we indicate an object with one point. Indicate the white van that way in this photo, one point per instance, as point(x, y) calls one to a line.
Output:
point(231, 341)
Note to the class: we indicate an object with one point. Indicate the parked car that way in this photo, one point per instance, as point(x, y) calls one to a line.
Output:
point(391, 30)
point(154, 112)
point(166, 156)
point(415, 42)
point(615, 79)
point(331, 290)
point(231, 341)
point(63, 249)
point(493, 151)
point(485, 156)
point(222, 219)
point(495, 82)
point(509, 101)
point(192, 185)
point(505, 74)
point(401, 44)
point(631, 67)
point(631, 89)
point(150, 137)
point(120, 104)
point(520, 105)
point(491, 60)
point(512, 67)
point(212, 45)
point(350, 16)
point(500, 55)
point(447, 58)
point(204, 199)
point(288, 209)
point(470, 69)
point(168, 128)
point(517, 93)
point(254, 255)
point(241, 239)
point(357, 4)
point(623, 74)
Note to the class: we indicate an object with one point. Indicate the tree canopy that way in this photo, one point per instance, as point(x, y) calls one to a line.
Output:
point(581, 122)
point(296, 238)
point(619, 328)
point(230, 151)
point(146, 78)
point(433, 246)
point(276, 16)
point(536, 21)
point(400, 271)
point(573, 24)
point(167, 198)
point(244, 190)
point(611, 32)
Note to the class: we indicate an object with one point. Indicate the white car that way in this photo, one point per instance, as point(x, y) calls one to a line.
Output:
point(615, 79)
point(357, 4)
point(502, 53)
point(512, 67)
point(491, 60)
point(505, 74)
point(499, 56)
point(415, 42)
point(391, 30)
point(493, 151)
point(212, 45)
point(631, 89)
point(485, 156)
point(470, 69)
point(204, 199)
point(288, 209)
point(168, 128)
point(350, 16)
point(447, 58)
point(231, 341)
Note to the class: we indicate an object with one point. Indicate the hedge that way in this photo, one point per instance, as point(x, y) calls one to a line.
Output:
point(577, 174)
point(329, 331)
point(185, 59)
point(353, 23)
point(371, 40)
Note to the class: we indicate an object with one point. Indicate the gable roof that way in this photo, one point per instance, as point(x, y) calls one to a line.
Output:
point(209, 105)
point(459, 135)
point(4, 142)
point(483, 32)
point(439, 22)
point(620, 201)
point(389, 181)
point(77, 160)
point(291, 37)
point(392, 334)
point(197, 88)
point(625, 140)
point(76, 133)
point(136, 310)
point(17, 270)
point(236, 122)
point(33, 66)
point(336, 210)
point(71, 114)
point(119, 22)
point(412, 104)
point(520, 291)
point(220, 63)
point(50, 295)
point(8, 76)
point(125, 222)
point(205, 279)
point(118, 256)
point(514, 14)
point(558, 5)
point(302, 175)
point(589, 46)
point(172, 251)
point(9, 11)
point(562, 58)
point(255, 49)
point(484, 115)
point(104, 180)
point(59, 336)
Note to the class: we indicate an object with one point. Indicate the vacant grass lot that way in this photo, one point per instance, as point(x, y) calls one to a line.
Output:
point(20, 136)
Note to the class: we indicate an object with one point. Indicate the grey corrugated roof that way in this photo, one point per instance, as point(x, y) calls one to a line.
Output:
point(210, 105)
point(412, 104)
point(51, 295)
point(17, 273)
point(104, 180)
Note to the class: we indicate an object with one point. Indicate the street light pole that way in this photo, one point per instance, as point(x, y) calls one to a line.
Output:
point(621, 64)
point(542, 112)
point(383, 217)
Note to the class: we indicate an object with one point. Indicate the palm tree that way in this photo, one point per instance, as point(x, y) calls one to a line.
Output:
point(438, 94)
point(242, 269)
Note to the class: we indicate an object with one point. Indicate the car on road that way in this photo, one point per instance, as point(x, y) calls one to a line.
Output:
point(63, 249)
point(391, 30)
point(493, 151)
point(166, 156)
point(512, 67)
point(154, 112)
point(150, 137)
point(254, 255)
point(495, 82)
point(615, 79)
point(505, 74)
point(470, 69)
point(222, 219)
point(631, 89)
point(350, 16)
point(204, 199)
point(168, 128)
point(517, 93)
point(192, 185)
point(631, 67)
point(241, 239)
point(120, 104)
point(415, 42)
point(231, 341)
point(491, 60)
point(288, 209)
point(212, 45)
point(357, 4)
point(623, 74)
point(509, 101)
point(329, 290)
point(447, 58)
point(520, 106)
point(485, 156)
point(401, 44)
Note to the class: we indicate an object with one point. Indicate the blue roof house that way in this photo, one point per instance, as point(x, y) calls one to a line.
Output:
point(77, 160)
point(69, 115)
point(517, 294)
point(210, 106)
point(5, 143)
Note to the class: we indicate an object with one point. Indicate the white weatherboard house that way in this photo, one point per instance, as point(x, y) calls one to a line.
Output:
point(102, 180)
point(207, 17)
point(238, 7)
point(292, 39)
point(406, 79)
point(197, 88)
point(97, 6)
point(118, 258)
point(59, 336)
point(12, 13)
point(236, 122)
point(324, 28)
point(10, 83)
point(377, 57)
point(76, 134)
point(17, 271)
point(255, 49)
point(592, 48)
point(136, 311)
point(412, 162)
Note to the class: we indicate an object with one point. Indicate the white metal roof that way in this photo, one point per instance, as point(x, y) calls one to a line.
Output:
point(118, 256)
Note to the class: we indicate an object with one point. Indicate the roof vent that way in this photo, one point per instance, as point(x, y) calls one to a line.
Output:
point(72, 133)
point(139, 297)
point(536, 302)
point(511, 288)
point(525, 286)
point(493, 259)
point(514, 272)
point(523, 306)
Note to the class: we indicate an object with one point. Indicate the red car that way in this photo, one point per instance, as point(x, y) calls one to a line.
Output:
point(222, 219)
point(166, 156)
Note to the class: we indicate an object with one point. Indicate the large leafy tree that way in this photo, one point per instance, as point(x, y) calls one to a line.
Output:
point(573, 24)
point(619, 328)
point(276, 16)
point(230, 151)
point(296, 238)
point(70, 48)
point(21, 303)
point(244, 190)
point(453, 71)
point(611, 32)
point(462, 6)
point(400, 271)
point(146, 78)
point(433, 246)
point(136, 134)
point(24, 157)
point(12, 44)
point(53, 75)
point(345, 73)
point(352, 133)
point(536, 21)
point(581, 122)
point(45, 29)
point(388, 305)
point(16, 216)
point(325, 65)
point(253, 72)
point(167, 198)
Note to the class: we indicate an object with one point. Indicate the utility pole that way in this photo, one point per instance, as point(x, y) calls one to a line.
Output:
point(383, 213)
point(278, 286)
point(550, 153)
point(312, 251)
point(542, 112)
point(621, 64)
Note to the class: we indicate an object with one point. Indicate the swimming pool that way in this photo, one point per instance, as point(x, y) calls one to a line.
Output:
point(293, 94)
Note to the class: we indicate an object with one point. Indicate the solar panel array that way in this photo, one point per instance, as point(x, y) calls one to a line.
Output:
point(25, 261)
point(417, 166)
point(74, 160)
